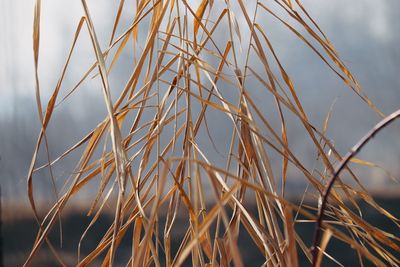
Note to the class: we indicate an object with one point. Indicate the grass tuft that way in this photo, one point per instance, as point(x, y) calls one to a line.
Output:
point(198, 68)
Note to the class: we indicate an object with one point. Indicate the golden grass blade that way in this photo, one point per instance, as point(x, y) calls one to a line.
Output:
point(199, 15)
point(118, 150)
point(117, 18)
point(36, 41)
point(290, 234)
point(324, 242)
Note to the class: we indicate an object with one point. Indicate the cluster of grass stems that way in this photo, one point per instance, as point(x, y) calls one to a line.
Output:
point(149, 174)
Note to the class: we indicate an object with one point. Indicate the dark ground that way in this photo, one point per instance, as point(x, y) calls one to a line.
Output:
point(19, 234)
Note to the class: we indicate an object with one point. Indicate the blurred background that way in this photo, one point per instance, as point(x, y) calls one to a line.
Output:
point(366, 33)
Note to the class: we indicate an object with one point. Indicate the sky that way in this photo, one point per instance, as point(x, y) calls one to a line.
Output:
point(366, 33)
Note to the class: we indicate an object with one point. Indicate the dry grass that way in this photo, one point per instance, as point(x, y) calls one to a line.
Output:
point(157, 168)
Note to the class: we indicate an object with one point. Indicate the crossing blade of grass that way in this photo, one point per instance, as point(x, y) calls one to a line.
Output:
point(158, 169)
